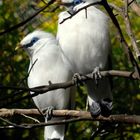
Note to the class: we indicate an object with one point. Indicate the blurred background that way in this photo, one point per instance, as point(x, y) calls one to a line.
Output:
point(14, 66)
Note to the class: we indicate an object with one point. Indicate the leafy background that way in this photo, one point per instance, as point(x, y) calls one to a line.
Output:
point(14, 65)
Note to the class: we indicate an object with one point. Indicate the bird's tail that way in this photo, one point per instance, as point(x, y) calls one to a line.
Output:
point(54, 132)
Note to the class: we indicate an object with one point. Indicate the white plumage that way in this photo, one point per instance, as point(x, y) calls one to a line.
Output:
point(42, 46)
point(85, 43)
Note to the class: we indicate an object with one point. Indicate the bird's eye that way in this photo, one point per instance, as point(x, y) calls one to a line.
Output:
point(76, 2)
point(35, 39)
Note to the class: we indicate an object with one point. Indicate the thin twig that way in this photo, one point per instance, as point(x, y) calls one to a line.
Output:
point(31, 118)
point(54, 86)
point(11, 123)
point(76, 116)
point(114, 20)
point(130, 2)
point(125, 15)
point(123, 41)
point(25, 78)
point(83, 8)
point(27, 20)
point(129, 30)
point(135, 7)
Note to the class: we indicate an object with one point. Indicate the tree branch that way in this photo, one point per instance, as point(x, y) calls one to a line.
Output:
point(123, 41)
point(27, 20)
point(114, 20)
point(83, 8)
point(129, 30)
point(124, 14)
point(74, 114)
point(53, 86)
point(135, 7)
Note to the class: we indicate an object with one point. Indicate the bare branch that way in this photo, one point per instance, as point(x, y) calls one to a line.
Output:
point(83, 8)
point(124, 14)
point(54, 86)
point(11, 112)
point(129, 30)
point(114, 20)
point(27, 20)
point(76, 116)
point(123, 41)
point(136, 8)
point(10, 123)
point(26, 76)
point(31, 118)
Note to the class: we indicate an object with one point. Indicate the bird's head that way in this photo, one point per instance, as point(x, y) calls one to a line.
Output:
point(33, 41)
point(70, 4)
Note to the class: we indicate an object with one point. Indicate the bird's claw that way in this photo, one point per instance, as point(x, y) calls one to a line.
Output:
point(109, 128)
point(77, 79)
point(102, 130)
point(96, 75)
point(48, 112)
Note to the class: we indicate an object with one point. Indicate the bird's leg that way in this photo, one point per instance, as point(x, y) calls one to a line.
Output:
point(104, 129)
point(97, 131)
point(96, 75)
point(95, 109)
point(106, 107)
point(109, 127)
point(48, 112)
point(77, 79)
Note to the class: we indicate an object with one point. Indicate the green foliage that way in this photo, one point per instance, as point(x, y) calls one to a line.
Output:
point(138, 1)
point(13, 70)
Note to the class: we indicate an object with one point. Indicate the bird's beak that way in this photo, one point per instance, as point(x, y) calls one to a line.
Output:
point(18, 46)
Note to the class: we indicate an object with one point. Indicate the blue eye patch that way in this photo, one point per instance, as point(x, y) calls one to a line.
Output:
point(33, 41)
point(76, 2)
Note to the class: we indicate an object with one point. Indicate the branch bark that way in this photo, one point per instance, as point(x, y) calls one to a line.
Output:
point(53, 86)
point(125, 15)
point(123, 41)
point(135, 7)
point(74, 116)
point(129, 30)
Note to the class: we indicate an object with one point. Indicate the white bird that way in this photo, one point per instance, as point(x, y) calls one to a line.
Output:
point(85, 43)
point(42, 47)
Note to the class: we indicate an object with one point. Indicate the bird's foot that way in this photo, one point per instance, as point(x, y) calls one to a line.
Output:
point(96, 75)
point(98, 131)
point(95, 109)
point(109, 128)
point(48, 112)
point(104, 129)
point(106, 107)
point(77, 79)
